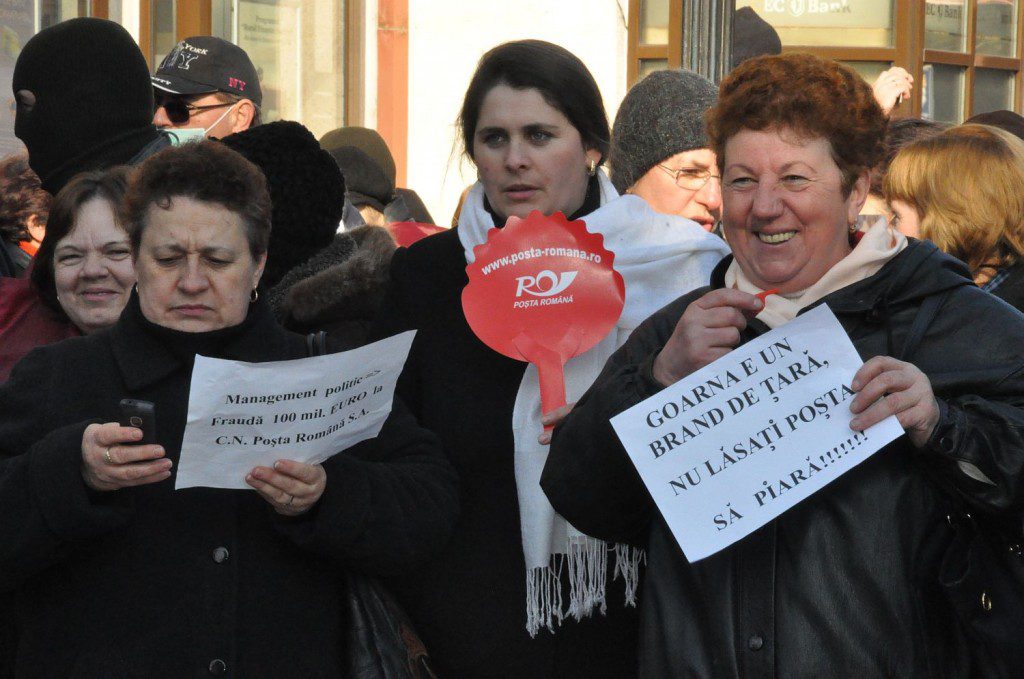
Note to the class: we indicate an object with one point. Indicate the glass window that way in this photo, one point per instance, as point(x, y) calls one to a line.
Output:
point(863, 23)
point(997, 28)
point(654, 22)
point(19, 24)
point(869, 70)
point(222, 20)
point(649, 66)
point(993, 90)
point(164, 29)
point(298, 49)
point(55, 11)
point(945, 25)
point(942, 93)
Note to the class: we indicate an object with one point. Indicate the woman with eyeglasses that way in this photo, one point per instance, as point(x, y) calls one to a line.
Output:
point(499, 601)
point(660, 149)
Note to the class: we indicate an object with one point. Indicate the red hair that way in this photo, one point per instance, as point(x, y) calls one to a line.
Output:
point(813, 97)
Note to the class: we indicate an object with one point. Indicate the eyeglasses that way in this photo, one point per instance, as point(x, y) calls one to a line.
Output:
point(180, 111)
point(690, 178)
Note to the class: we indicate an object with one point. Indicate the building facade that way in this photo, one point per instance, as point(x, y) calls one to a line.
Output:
point(402, 66)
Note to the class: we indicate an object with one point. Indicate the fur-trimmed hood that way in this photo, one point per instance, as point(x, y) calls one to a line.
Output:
point(340, 288)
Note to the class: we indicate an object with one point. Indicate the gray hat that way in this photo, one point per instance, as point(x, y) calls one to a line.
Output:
point(661, 115)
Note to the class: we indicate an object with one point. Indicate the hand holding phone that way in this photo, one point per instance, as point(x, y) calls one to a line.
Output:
point(141, 415)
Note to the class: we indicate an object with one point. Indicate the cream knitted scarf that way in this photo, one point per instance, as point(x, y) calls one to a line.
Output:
point(879, 244)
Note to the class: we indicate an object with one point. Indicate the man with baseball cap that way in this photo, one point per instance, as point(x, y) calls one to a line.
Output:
point(207, 85)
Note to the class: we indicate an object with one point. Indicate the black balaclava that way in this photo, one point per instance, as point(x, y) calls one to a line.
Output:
point(93, 99)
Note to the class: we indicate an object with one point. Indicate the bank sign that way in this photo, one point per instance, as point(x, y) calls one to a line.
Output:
point(824, 13)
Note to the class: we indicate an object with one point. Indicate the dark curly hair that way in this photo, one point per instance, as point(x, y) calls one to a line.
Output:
point(206, 171)
point(109, 185)
point(562, 79)
point(21, 196)
point(811, 96)
point(900, 133)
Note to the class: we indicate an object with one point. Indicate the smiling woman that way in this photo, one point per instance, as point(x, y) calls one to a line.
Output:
point(851, 577)
point(83, 268)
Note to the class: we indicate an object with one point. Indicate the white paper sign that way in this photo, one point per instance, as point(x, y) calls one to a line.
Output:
point(242, 415)
point(742, 440)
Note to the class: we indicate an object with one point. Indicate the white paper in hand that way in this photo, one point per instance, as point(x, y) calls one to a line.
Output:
point(742, 440)
point(242, 415)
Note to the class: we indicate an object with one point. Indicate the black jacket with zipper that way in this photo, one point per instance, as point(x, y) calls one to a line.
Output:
point(845, 583)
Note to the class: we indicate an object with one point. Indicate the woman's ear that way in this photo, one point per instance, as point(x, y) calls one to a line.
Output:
point(593, 155)
point(261, 264)
point(858, 194)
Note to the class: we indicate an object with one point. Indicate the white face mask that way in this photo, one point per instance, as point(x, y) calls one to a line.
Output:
point(187, 135)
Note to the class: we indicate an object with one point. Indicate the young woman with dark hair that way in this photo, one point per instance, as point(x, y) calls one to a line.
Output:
point(499, 602)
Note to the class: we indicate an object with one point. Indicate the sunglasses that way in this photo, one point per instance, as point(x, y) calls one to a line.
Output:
point(180, 111)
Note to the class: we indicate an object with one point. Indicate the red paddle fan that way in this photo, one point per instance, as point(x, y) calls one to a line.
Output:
point(543, 290)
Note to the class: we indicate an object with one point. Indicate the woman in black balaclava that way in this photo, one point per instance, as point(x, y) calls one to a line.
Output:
point(84, 100)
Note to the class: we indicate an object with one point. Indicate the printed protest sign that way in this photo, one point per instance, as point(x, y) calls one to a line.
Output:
point(543, 290)
point(742, 440)
point(241, 415)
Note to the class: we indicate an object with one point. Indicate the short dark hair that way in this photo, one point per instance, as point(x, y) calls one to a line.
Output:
point(21, 196)
point(206, 171)
point(900, 133)
point(109, 185)
point(560, 77)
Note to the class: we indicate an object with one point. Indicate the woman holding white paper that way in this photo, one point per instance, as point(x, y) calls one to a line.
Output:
point(848, 580)
point(112, 571)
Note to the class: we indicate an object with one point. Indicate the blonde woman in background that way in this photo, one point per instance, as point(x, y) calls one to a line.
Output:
point(977, 215)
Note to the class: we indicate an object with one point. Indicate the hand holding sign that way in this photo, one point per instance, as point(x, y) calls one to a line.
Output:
point(708, 330)
point(887, 386)
point(543, 290)
point(736, 443)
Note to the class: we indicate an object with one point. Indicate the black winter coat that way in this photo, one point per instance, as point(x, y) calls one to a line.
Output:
point(845, 583)
point(340, 288)
point(1011, 290)
point(469, 603)
point(153, 582)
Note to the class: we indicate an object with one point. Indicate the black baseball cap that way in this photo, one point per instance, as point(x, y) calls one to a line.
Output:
point(205, 64)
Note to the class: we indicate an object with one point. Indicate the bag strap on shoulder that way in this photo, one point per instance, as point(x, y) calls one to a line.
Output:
point(316, 343)
point(924, 317)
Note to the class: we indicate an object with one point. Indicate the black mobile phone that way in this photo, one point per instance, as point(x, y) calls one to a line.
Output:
point(139, 414)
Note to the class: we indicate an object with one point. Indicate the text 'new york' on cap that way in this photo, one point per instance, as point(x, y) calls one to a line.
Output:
point(205, 64)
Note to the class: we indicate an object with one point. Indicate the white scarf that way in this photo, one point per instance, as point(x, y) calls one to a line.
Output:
point(879, 244)
point(660, 258)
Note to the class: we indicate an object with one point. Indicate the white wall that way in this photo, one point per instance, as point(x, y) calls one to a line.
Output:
point(448, 37)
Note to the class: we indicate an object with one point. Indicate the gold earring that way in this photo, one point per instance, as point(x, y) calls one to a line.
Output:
point(254, 296)
point(592, 167)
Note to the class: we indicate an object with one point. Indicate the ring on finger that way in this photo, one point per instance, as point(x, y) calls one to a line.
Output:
point(106, 456)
